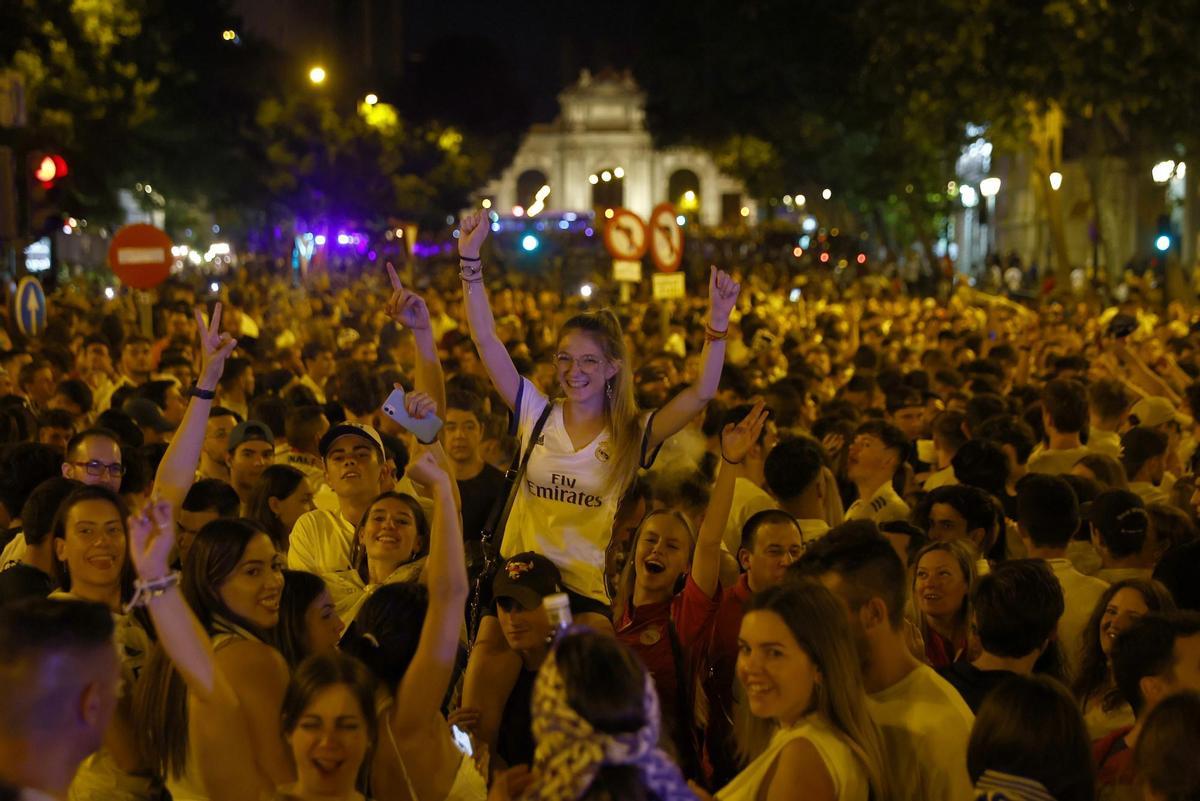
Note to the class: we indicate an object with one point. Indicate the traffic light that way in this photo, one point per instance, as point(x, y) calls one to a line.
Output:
point(46, 172)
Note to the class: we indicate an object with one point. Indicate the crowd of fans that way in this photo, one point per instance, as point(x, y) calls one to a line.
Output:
point(849, 546)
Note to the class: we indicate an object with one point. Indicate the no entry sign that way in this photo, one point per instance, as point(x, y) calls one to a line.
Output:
point(141, 256)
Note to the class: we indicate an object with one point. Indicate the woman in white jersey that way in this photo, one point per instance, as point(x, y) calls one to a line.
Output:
point(812, 738)
point(233, 580)
point(591, 446)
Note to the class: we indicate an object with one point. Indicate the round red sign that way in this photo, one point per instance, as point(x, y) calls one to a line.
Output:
point(141, 256)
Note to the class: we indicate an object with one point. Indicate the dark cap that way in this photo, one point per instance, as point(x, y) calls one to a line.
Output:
point(146, 414)
point(1117, 513)
point(250, 431)
point(527, 578)
point(350, 429)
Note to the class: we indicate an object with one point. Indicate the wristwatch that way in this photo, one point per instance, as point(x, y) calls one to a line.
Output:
point(202, 394)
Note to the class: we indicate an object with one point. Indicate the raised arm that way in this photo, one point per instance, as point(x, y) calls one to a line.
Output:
point(417, 711)
point(419, 405)
point(679, 411)
point(177, 469)
point(736, 442)
point(408, 309)
point(473, 230)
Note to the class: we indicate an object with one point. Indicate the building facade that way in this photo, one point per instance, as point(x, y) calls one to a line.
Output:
point(598, 154)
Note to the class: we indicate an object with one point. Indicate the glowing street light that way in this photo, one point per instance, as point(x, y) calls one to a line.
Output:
point(827, 193)
point(316, 75)
point(1162, 171)
point(989, 187)
point(1055, 180)
point(968, 195)
point(371, 99)
point(585, 291)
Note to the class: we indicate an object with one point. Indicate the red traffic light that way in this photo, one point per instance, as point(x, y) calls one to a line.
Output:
point(49, 169)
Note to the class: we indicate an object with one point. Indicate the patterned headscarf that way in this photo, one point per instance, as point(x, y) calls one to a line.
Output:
point(570, 752)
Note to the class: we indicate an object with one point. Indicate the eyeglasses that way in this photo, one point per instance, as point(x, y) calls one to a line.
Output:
point(588, 364)
point(96, 468)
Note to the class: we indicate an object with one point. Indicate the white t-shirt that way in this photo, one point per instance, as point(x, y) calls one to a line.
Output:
point(748, 500)
point(320, 542)
point(562, 509)
point(926, 726)
point(845, 769)
point(1080, 595)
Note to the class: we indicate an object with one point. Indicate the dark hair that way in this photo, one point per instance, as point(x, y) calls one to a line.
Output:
point(76, 391)
point(1093, 674)
point(235, 367)
point(1017, 607)
point(35, 633)
point(387, 630)
point(1170, 525)
point(82, 494)
point(865, 561)
point(1139, 445)
point(1029, 726)
point(277, 481)
point(466, 402)
point(1108, 398)
point(1123, 534)
point(358, 552)
point(56, 418)
point(1011, 430)
point(41, 508)
point(1108, 471)
point(763, 518)
point(1177, 570)
point(980, 463)
point(161, 698)
point(892, 438)
point(221, 411)
point(979, 509)
point(301, 425)
point(983, 407)
point(80, 437)
point(300, 589)
point(156, 391)
point(1164, 759)
point(792, 466)
point(1147, 648)
point(124, 429)
point(1065, 402)
point(24, 466)
point(321, 671)
point(605, 684)
point(1047, 510)
point(948, 427)
point(212, 495)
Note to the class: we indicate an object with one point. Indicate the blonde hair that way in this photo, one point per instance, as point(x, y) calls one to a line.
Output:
point(817, 619)
point(965, 555)
point(624, 594)
point(620, 408)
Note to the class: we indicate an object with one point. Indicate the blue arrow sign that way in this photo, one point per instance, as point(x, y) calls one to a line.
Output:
point(30, 307)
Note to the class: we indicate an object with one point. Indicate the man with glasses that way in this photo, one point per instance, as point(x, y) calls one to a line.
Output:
point(94, 457)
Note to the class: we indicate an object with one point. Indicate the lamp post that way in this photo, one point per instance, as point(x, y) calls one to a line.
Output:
point(989, 188)
point(316, 75)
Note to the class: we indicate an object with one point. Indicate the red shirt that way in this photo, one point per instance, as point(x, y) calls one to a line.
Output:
point(1114, 759)
point(719, 620)
point(646, 630)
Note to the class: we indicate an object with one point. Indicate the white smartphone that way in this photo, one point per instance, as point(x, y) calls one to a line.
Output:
point(462, 741)
point(426, 429)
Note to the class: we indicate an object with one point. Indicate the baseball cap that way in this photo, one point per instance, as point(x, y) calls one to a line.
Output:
point(1154, 411)
point(350, 429)
point(249, 431)
point(1117, 512)
point(146, 414)
point(527, 578)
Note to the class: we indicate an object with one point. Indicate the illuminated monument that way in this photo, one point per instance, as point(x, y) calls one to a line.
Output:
point(598, 154)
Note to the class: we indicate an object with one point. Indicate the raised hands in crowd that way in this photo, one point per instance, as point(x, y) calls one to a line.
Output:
point(921, 548)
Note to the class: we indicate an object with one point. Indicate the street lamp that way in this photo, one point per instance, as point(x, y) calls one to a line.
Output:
point(316, 75)
point(1162, 171)
point(989, 188)
point(371, 99)
point(1055, 180)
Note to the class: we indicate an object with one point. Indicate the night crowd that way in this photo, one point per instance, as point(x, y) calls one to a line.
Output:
point(485, 540)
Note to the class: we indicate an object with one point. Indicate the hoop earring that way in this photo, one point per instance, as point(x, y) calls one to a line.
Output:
point(608, 389)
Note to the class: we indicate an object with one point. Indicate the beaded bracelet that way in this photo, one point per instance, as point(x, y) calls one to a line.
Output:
point(147, 591)
point(713, 335)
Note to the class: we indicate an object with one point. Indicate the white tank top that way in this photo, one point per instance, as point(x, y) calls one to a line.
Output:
point(847, 771)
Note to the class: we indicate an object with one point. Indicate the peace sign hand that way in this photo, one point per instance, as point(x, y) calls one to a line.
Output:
point(472, 230)
point(404, 306)
point(722, 297)
point(151, 537)
point(215, 347)
point(737, 439)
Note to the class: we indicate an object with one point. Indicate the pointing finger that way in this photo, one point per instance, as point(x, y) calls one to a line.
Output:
point(395, 279)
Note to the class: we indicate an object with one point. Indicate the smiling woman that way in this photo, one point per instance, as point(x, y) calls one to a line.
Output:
point(233, 580)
